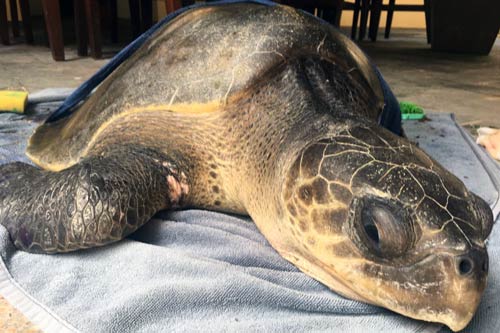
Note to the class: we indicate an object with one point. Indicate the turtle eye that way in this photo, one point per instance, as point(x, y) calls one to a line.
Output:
point(384, 229)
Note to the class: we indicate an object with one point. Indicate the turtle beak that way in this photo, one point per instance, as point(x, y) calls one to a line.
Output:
point(443, 288)
point(471, 271)
point(463, 282)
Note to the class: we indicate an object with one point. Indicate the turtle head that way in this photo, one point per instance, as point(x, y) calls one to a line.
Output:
point(376, 219)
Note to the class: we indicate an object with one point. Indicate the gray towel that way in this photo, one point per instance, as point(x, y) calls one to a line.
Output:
point(204, 271)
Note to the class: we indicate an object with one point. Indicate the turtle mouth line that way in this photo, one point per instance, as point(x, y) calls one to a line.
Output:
point(320, 271)
point(327, 275)
point(450, 318)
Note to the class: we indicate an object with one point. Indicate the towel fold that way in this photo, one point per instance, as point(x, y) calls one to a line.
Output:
point(206, 271)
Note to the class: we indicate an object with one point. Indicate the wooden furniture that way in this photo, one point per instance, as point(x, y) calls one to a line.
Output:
point(27, 27)
point(334, 9)
point(141, 15)
point(88, 16)
point(87, 20)
point(4, 24)
point(172, 5)
point(53, 24)
point(377, 6)
point(464, 26)
point(93, 19)
point(14, 19)
point(362, 6)
point(52, 17)
point(80, 27)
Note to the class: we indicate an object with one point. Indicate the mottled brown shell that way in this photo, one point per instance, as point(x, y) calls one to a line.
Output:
point(199, 63)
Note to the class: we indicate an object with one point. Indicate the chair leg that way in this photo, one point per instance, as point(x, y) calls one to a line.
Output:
point(427, 7)
point(365, 7)
point(92, 12)
point(108, 18)
point(80, 27)
point(355, 18)
point(172, 5)
point(52, 16)
point(147, 14)
point(26, 15)
point(135, 18)
point(113, 9)
point(376, 10)
point(338, 12)
point(14, 18)
point(4, 27)
point(390, 12)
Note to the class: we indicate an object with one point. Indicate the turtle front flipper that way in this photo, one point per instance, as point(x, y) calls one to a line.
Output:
point(98, 201)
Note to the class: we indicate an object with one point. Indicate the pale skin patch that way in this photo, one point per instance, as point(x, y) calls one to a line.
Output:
point(177, 182)
point(177, 189)
point(489, 138)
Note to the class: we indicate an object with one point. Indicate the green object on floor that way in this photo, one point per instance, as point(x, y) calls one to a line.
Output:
point(411, 111)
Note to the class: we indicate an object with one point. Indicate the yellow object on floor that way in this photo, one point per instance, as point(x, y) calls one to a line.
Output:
point(13, 101)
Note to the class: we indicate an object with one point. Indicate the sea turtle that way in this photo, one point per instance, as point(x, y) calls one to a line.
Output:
point(266, 111)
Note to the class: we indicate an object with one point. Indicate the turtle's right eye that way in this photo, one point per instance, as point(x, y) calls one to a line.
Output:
point(371, 231)
point(384, 228)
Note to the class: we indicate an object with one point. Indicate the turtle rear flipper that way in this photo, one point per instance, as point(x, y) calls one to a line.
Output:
point(97, 201)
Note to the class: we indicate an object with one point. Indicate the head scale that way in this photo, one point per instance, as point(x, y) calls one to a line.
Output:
point(378, 220)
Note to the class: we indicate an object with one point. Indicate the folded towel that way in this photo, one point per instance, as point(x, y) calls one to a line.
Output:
point(205, 271)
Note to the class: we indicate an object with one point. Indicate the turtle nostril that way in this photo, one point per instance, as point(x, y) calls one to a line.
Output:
point(474, 261)
point(465, 266)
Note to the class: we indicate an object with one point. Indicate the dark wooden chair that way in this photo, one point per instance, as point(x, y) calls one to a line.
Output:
point(88, 18)
point(141, 17)
point(331, 10)
point(377, 7)
point(88, 27)
point(173, 5)
point(52, 17)
point(4, 25)
point(359, 6)
point(53, 24)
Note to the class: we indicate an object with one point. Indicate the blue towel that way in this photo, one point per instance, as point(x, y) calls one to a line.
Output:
point(204, 271)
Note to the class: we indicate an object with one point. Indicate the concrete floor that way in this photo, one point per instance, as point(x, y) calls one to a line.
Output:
point(32, 68)
point(468, 86)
